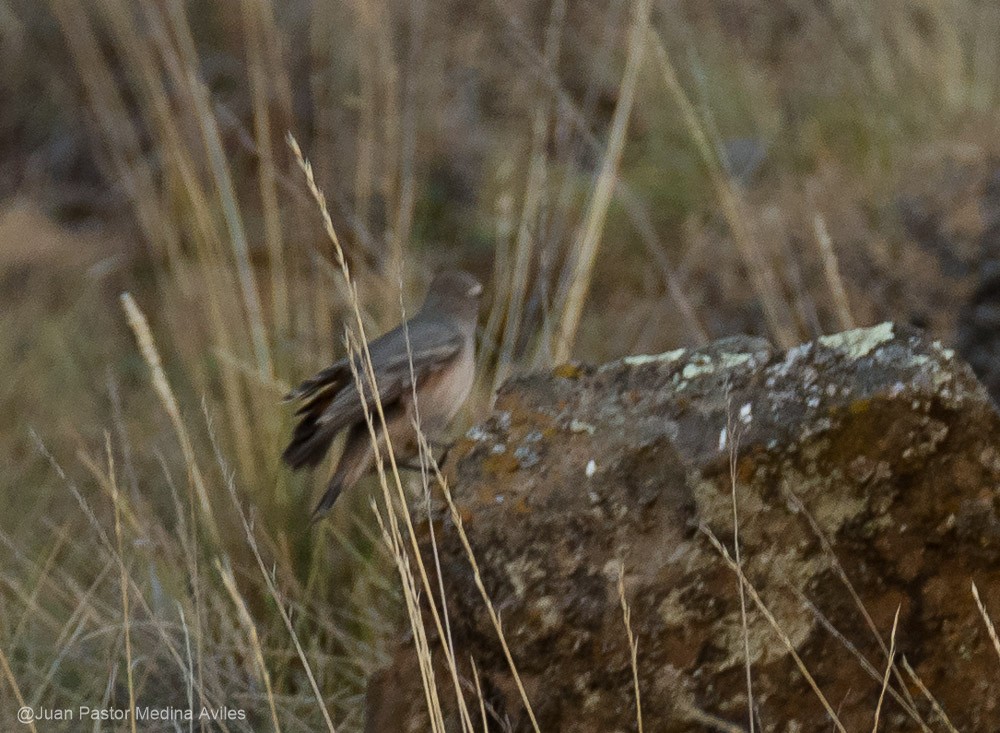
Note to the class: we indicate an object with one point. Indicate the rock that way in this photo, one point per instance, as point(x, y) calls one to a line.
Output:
point(870, 456)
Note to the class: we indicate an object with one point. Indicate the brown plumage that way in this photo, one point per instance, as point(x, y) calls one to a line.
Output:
point(442, 352)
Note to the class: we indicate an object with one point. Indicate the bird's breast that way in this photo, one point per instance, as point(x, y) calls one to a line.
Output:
point(444, 392)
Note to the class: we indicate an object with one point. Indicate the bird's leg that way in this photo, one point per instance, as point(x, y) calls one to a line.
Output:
point(443, 447)
point(411, 465)
point(435, 446)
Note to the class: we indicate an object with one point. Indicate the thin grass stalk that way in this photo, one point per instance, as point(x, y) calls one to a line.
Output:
point(576, 118)
point(16, 688)
point(188, 534)
point(103, 480)
point(365, 165)
point(122, 139)
point(394, 541)
point(990, 628)
point(633, 646)
point(762, 274)
point(407, 196)
point(123, 581)
point(188, 671)
point(140, 327)
point(219, 167)
point(838, 568)
point(935, 705)
point(478, 579)
point(66, 640)
point(183, 183)
point(268, 580)
point(42, 579)
point(732, 431)
point(888, 670)
point(906, 703)
point(250, 629)
point(425, 485)
point(831, 270)
point(112, 555)
point(253, 31)
point(531, 206)
point(721, 549)
point(398, 542)
point(584, 256)
point(479, 695)
point(64, 589)
point(392, 122)
point(358, 344)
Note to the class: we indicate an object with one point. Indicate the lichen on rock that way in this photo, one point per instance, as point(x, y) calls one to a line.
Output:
point(870, 455)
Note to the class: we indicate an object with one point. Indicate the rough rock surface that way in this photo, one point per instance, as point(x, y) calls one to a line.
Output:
point(871, 456)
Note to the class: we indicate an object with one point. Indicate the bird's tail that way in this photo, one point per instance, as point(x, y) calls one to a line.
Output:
point(333, 489)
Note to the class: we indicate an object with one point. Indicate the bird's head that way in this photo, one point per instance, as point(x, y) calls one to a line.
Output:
point(455, 293)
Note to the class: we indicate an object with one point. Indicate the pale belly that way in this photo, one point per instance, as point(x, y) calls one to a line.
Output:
point(439, 398)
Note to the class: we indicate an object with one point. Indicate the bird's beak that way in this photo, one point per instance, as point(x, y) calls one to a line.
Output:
point(475, 291)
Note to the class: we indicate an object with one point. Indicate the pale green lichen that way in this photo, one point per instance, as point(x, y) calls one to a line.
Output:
point(548, 613)
point(948, 354)
point(523, 573)
point(859, 342)
point(730, 360)
point(665, 357)
point(694, 369)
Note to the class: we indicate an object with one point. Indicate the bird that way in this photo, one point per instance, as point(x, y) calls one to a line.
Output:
point(435, 348)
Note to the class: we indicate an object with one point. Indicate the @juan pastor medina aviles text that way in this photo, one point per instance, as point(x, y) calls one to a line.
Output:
point(139, 713)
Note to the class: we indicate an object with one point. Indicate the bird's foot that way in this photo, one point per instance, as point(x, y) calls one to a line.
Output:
point(436, 447)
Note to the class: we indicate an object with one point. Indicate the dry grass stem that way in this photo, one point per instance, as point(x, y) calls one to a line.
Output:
point(140, 327)
point(831, 269)
point(246, 621)
point(12, 680)
point(732, 430)
point(576, 281)
point(765, 281)
point(268, 580)
point(990, 628)
point(888, 670)
point(633, 645)
point(776, 626)
point(935, 705)
point(479, 695)
point(906, 703)
point(478, 579)
point(123, 578)
point(358, 345)
point(838, 568)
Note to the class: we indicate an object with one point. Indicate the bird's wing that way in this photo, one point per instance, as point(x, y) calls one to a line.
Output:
point(432, 345)
point(333, 400)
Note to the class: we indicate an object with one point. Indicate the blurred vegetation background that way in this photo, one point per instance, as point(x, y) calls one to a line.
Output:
point(625, 177)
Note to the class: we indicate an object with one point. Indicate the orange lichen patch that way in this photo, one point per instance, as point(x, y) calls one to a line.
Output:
point(466, 513)
point(745, 469)
point(521, 506)
point(568, 371)
point(461, 448)
point(864, 430)
point(524, 421)
point(500, 463)
point(860, 407)
point(486, 495)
